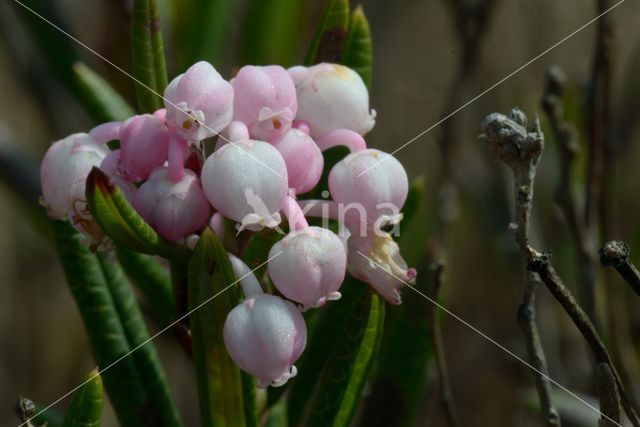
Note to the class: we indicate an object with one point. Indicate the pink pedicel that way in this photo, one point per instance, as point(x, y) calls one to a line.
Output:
point(303, 159)
point(264, 336)
point(330, 97)
point(310, 268)
point(199, 103)
point(173, 209)
point(375, 182)
point(264, 100)
point(144, 145)
point(376, 259)
point(246, 181)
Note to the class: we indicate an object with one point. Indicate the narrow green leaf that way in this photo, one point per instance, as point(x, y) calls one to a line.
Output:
point(271, 32)
point(358, 47)
point(212, 294)
point(102, 100)
point(86, 407)
point(201, 30)
point(148, 54)
point(108, 340)
point(119, 220)
point(152, 280)
point(337, 360)
point(161, 404)
point(329, 38)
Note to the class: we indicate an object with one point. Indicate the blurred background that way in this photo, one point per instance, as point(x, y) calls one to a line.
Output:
point(429, 59)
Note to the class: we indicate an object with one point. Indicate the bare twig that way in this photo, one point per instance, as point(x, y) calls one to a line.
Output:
point(541, 264)
point(609, 397)
point(521, 150)
point(446, 396)
point(616, 254)
point(25, 410)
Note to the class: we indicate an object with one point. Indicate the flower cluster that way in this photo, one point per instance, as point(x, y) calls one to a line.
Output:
point(272, 125)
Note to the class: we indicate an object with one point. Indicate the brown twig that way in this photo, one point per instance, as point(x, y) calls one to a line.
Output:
point(521, 150)
point(616, 254)
point(541, 264)
point(435, 331)
point(608, 396)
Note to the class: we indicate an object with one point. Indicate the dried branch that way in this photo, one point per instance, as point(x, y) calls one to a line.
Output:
point(435, 331)
point(541, 264)
point(25, 410)
point(521, 151)
point(609, 397)
point(616, 254)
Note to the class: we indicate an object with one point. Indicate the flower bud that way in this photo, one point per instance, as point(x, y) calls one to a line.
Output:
point(372, 181)
point(330, 97)
point(303, 159)
point(246, 181)
point(264, 336)
point(310, 268)
point(63, 174)
point(265, 100)
point(376, 259)
point(199, 102)
point(144, 143)
point(173, 209)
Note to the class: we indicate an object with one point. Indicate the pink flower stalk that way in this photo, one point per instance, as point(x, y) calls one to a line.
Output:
point(376, 259)
point(248, 281)
point(63, 174)
point(199, 103)
point(246, 181)
point(311, 266)
point(265, 100)
point(330, 97)
point(303, 159)
point(346, 137)
point(173, 209)
point(144, 143)
point(380, 191)
point(105, 132)
point(264, 336)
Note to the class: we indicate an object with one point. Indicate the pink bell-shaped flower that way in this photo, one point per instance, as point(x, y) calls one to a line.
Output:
point(264, 336)
point(330, 97)
point(265, 100)
point(376, 259)
point(199, 102)
point(246, 181)
point(371, 181)
point(144, 142)
point(311, 266)
point(173, 209)
point(303, 159)
point(63, 174)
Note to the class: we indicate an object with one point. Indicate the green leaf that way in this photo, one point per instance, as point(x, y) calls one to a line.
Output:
point(102, 100)
point(148, 55)
point(329, 38)
point(271, 32)
point(225, 397)
point(161, 404)
point(358, 48)
point(119, 220)
point(86, 407)
point(152, 280)
point(106, 334)
point(201, 30)
point(338, 359)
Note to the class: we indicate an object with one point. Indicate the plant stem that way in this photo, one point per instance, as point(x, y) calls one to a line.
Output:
point(521, 151)
point(616, 253)
point(609, 397)
point(435, 332)
point(541, 264)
